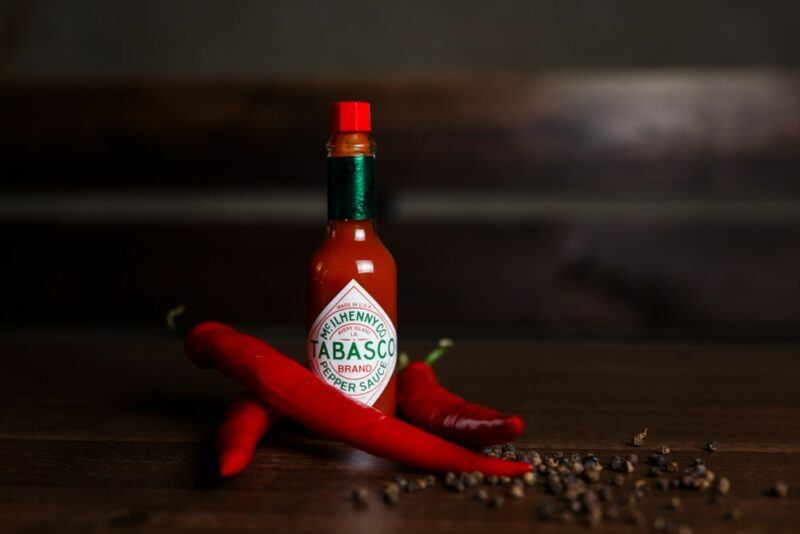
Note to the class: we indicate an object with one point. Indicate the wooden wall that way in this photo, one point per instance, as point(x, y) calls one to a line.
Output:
point(591, 201)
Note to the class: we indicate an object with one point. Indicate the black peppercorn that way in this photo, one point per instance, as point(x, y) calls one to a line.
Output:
point(360, 497)
point(638, 439)
point(779, 490)
point(391, 493)
point(481, 494)
point(496, 501)
point(615, 463)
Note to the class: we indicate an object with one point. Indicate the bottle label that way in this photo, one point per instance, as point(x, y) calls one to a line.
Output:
point(351, 188)
point(352, 345)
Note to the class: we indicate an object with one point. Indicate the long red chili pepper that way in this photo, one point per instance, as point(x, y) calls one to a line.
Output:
point(424, 402)
point(244, 424)
point(291, 389)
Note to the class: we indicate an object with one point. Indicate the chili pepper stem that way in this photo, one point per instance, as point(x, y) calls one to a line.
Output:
point(438, 352)
point(173, 317)
point(404, 361)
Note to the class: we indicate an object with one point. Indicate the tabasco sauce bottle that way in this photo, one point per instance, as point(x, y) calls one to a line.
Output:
point(352, 311)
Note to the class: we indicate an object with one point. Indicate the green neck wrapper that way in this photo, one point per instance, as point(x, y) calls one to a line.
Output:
point(351, 188)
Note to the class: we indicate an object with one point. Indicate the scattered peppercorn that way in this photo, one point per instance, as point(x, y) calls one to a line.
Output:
point(779, 490)
point(629, 467)
point(469, 480)
point(723, 486)
point(457, 486)
point(697, 476)
point(495, 451)
point(638, 439)
point(592, 475)
point(360, 497)
point(391, 493)
point(672, 467)
point(658, 460)
point(615, 464)
point(654, 472)
point(416, 485)
point(735, 514)
point(592, 461)
point(453, 482)
point(496, 501)
point(481, 494)
point(401, 482)
point(575, 479)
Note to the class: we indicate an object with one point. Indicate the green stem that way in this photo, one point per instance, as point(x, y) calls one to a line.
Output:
point(404, 361)
point(173, 317)
point(439, 351)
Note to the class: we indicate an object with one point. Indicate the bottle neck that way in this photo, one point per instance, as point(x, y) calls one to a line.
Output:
point(351, 177)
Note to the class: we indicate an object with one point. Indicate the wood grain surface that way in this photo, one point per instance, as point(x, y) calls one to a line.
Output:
point(109, 431)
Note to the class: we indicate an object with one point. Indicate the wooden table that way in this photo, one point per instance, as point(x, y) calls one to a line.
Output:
point(110, 431)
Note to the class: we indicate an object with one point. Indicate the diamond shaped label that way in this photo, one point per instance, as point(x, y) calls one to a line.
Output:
point(352, 345)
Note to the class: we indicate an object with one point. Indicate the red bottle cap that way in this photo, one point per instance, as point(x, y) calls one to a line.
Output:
point(350, 116)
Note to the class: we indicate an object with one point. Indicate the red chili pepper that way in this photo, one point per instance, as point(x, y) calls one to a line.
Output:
point(291, 389)
point(424, 402)
point(244, 424)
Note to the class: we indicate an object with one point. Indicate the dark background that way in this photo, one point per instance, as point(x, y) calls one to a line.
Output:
point(614, 168)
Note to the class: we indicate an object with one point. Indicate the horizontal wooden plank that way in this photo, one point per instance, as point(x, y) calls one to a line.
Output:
point(102, 432)
point(554, 273)
point(697, 131)
point(407, 206)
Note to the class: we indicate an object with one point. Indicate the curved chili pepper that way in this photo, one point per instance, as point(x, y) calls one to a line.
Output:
point(244, 424)
point(423, 401)
point(291, 389)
